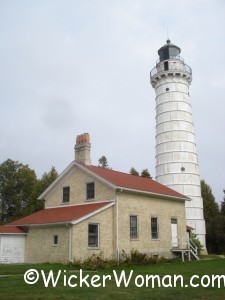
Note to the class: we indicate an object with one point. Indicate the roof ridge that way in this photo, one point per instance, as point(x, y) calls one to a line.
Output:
point(137, 176)
point(132, 182)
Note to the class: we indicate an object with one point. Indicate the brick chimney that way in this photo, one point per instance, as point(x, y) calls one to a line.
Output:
point(83, 149)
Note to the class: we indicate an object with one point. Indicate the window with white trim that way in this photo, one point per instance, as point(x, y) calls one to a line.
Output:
point(154, 228)
point(66, 194)
point(133, 228)
point(93, 235)
point(90, 190)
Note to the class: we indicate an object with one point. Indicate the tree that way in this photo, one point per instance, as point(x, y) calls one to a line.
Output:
point(103, 162)
point(211, 207)
point(134, 172)
point(18, 186)
point(42, 184)
point(215, 221)
point(222, 208)
point(145, 173)
point(47, 179)
point(215, 235)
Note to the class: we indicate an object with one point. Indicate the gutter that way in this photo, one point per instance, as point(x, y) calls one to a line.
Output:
point(70, 243)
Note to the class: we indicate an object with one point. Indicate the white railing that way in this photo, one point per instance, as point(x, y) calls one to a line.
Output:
point(187, 243)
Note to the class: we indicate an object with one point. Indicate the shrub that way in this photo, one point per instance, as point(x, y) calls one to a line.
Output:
point(135, 257)
point(197, 243)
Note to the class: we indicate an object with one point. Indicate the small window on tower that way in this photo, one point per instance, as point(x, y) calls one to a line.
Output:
point(167, 89)
point(166, 65)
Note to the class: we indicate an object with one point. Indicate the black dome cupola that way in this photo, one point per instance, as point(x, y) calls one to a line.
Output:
point(169, 51)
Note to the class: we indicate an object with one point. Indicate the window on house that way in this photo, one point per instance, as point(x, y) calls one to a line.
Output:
point(66, 194)
point(154, 228)
point(90, 190)
point(133, 227)
point(93, 235)
point(55, 240)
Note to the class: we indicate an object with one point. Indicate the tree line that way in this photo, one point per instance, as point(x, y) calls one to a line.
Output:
point(20, 188)
point(215, 220)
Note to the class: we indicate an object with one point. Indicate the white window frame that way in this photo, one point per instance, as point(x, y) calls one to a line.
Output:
point(157, 232)
point(87, 196)
point(98, 236)
point(63, 189)
point(132, 237)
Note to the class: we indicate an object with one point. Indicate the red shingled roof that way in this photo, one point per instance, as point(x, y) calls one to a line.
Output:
point(60, 214)
point(6, 229)
point(133, 182)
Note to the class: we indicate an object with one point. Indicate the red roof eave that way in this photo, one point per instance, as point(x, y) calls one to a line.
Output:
point(9, 229)
point(62, 215)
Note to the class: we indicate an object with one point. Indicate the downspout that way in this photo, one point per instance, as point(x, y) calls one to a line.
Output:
point(117, 224)
point(70, 242)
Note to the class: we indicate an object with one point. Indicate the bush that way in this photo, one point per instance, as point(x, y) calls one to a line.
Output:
point(197, 243)
point(135, 257)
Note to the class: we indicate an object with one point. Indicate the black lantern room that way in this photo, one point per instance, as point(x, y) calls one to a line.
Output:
point(169, 51)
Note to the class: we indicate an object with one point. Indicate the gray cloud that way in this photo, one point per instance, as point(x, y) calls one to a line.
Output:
point(69, 67)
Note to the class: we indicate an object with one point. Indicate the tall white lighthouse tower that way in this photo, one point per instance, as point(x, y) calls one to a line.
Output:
point(176, 155)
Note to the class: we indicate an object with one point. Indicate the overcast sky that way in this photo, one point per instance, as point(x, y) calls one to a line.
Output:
point(74, 66)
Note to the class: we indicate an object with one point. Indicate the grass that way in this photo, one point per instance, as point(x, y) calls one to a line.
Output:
point(14, 287)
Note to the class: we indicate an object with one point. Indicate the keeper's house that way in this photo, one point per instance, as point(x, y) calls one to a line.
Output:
point(92, 210)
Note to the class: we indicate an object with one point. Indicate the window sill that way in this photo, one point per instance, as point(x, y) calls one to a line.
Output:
point(94, 248)
point(134, 240)
point(155, 240)
point(65, 203)
point(54, 245)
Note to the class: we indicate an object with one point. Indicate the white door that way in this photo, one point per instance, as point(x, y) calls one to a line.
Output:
point(174, 237)
point(12, 248)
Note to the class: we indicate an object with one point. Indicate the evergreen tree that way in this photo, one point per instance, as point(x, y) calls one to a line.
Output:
point(47, 179)
point(145, 173)
point(211, 207)
point(134, 172)
point(215, 221)
point(103, 162)
point(222, 208)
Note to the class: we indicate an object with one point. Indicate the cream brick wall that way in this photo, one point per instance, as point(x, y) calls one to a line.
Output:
point(77, 180)
point(39, 242)
point(39, 245)
point(145, 208)
point(106, 241)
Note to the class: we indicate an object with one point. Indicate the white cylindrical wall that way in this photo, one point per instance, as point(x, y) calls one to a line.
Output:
point(176, 155)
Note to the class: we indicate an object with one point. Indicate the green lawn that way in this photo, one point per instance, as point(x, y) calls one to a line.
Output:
point(14, 287)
